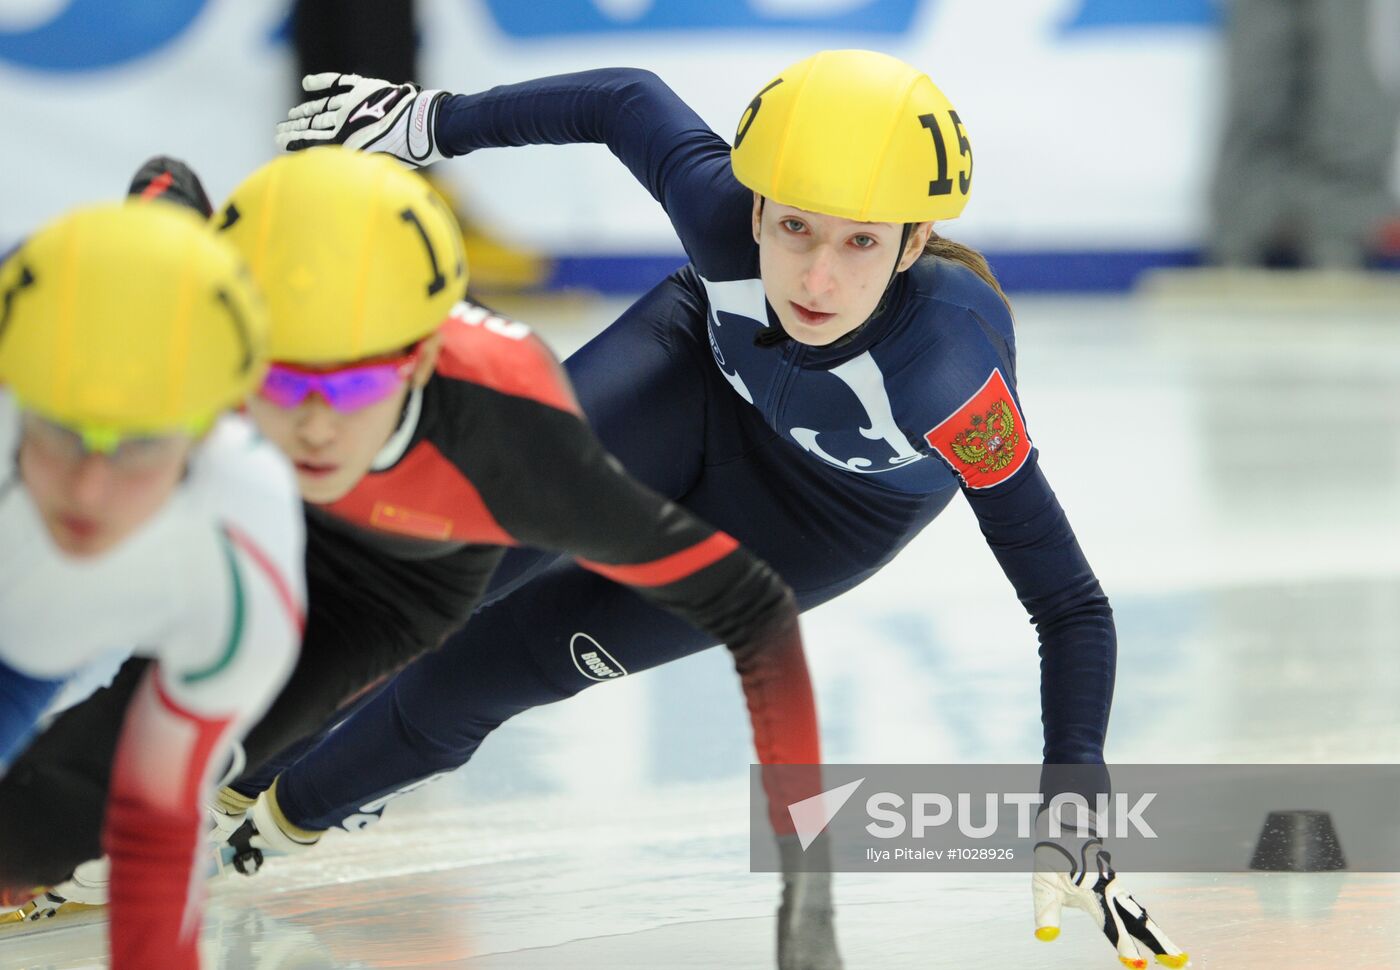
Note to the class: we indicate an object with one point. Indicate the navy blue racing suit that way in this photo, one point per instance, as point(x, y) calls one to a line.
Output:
point(825, 461)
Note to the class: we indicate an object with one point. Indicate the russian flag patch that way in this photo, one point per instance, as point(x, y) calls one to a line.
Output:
point(984, 440)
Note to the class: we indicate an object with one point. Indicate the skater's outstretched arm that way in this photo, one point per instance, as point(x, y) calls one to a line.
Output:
point(244, 608)
point(662, 141)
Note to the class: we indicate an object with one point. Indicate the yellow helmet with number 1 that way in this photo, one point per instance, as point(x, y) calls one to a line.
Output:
point(855, 134)
point(356, 255)
point(129, 319)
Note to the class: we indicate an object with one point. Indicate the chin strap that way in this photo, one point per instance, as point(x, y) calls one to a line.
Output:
point(403, 433)
point(771, 336)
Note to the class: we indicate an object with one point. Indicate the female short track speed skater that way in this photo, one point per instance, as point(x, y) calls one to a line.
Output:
point(428, 435)
point(820, 381)
point(133, 511)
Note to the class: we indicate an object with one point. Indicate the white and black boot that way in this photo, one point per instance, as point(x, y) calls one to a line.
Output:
point(265, 831)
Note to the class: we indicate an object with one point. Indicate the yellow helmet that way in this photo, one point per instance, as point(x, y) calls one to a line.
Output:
point(356, 255)
point(129, 319)
point(855, 134)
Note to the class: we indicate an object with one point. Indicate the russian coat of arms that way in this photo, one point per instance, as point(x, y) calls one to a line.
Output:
point(990, 443)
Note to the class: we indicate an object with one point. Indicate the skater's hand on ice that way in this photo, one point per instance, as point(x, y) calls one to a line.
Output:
point(365, 114)
point(807, 924)
point(1079, 873)
point(806, 918)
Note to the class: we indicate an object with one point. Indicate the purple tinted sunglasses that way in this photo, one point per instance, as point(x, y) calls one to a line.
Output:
point(346, 389)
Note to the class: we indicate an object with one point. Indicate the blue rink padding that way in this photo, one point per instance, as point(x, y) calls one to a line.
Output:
point(1025, 271)
point(1020, 271)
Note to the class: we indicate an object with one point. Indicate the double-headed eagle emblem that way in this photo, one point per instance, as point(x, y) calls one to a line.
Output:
point(990, 443)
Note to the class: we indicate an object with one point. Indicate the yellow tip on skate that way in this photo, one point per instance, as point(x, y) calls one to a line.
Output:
point(1047, 933)
point(21, 914)
point(30, 912)
point(1175, 962)
point(1133, 964)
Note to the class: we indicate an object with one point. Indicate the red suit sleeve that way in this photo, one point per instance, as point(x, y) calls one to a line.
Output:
point(153, 829)
point(772, 668)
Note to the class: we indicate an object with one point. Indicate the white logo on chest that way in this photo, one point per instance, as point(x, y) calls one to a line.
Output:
point(862, 375)
point(742, 298)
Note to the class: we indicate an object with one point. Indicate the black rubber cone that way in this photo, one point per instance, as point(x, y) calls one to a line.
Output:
point(1298, 841)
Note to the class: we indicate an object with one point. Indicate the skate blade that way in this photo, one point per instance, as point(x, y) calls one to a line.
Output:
point(25, 915)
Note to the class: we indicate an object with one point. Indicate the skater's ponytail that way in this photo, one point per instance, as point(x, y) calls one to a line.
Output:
point(967, 256)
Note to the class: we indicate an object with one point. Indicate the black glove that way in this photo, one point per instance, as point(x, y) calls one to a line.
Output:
point(806, 917)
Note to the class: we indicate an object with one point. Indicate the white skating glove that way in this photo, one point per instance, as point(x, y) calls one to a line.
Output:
point(227, 812)
point(365, 114)
point(1079, 874)
point(806, 917)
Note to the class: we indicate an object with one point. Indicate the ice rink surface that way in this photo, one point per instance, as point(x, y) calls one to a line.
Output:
point(1232, 468)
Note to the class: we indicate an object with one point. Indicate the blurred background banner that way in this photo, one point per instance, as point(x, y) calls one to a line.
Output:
point(1094, 122)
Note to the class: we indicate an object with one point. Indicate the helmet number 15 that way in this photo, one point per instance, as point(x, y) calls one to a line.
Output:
point(943, 185)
